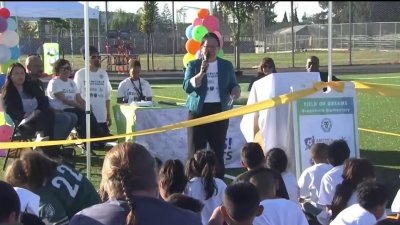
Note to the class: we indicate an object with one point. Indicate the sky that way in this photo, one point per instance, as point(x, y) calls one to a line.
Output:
point(310, 7)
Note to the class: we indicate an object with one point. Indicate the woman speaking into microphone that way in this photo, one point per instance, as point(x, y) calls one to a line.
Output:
point(211, 86)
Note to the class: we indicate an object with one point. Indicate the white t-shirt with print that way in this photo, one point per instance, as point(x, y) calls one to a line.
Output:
point(100, 91)
point(328, 185)
point(57, 85)
point(212, 94)
point(280, 211)
point(195, 189)
point(128, 91)
point(310, 181)
point(354, 215)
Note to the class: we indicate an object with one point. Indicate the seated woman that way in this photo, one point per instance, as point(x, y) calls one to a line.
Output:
point(26, 104)
point(266, 67)
point(134, 88)
point(64, 95)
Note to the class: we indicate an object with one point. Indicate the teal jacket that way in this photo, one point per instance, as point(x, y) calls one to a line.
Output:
point(226, 82)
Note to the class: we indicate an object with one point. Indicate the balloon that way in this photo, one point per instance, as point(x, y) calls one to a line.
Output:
point(221, 40)
point(11, 24)
point(2, 80)
point(5, 54)
point(198, 54)
point(187, 58)
point(4, 66)
point(3, 24)
point(199, 32)
point(9, 38)
point(220, 53)
point(15, 53)
point(197, 22)
point(202, 13)
point(5, 13)
point(188, 31)
point(211, 23)
point(5, 133)
point(192, 46)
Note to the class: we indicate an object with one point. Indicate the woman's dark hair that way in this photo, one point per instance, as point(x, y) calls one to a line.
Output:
point(60, 63)
point(277, 159)
point(172, 177)
point(202, 164)
point(30, 171)
point(9, 86)
point(185, 202)
point(354, 172)
point(208, 36)
point(268, 62)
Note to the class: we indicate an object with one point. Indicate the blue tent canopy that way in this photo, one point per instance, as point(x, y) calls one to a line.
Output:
point(60, 9)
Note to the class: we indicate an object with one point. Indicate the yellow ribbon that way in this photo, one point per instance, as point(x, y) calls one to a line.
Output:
point(280, 100)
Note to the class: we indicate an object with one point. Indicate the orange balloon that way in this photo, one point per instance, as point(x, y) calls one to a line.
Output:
point(202, 13)
point(192, 46)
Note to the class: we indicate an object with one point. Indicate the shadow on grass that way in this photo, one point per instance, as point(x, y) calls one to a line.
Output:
point(384, 162)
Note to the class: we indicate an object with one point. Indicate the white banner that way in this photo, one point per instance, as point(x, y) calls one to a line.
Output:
point(173, 144)
point(323, 118)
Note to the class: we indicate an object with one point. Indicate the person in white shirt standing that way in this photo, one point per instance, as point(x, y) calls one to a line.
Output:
point(134, 88)
point(372, 198)
point(100, 90)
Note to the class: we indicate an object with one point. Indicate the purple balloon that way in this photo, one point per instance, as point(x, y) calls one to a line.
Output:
point(3, 24)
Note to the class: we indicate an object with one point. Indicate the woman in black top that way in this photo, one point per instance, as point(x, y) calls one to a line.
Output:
point(266, 67)
point(26, 104)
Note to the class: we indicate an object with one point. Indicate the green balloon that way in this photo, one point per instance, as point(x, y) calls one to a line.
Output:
point(4, 66)
point(198, 32)
point(220, 53)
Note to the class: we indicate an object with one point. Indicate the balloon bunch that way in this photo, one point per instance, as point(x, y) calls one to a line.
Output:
point(6, 129)
point(9, 39)
point(203, 24)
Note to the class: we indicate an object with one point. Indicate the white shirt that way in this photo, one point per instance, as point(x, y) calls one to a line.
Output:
point(396, 203)
point(212, 94)
point(128, 91)
point(328, 185)
point(68, 88)
point(100, 91)
point(291, 186)
point(29, 200)
point(280, 211)
point(310, 181)
point(354, 215)
point(195, 189)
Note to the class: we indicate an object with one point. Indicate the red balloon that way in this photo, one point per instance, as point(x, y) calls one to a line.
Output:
point(5, 13)
point(196, 22)
point(5, 133)
point(202, 13)
point(192, 46)
point(211, 23)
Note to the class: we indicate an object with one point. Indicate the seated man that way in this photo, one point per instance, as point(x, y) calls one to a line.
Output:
point(134, 88)
point(312, 65)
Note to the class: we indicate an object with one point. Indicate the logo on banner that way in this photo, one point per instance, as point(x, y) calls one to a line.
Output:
point(309, 142)
point(326, 124)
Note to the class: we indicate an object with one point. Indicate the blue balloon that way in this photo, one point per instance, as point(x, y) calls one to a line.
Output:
point(12, 25)
point(15, 53)
point(2, 80)
point(188, 31)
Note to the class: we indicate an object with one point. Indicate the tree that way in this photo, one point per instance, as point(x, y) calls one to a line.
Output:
point(295, 18)
point(285, 19)
point(164, 20)
point(122, 20)
point(147, 23)
point(240, 11)
point(27, 29)
point(361, 11)
point(269, 14)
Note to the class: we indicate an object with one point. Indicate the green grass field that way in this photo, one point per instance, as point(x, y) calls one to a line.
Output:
point(374, 112)
point(250, 60)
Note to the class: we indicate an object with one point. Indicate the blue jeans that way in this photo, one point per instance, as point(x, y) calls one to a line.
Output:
point(64, 122)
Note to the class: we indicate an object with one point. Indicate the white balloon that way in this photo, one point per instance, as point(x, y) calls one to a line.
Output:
point(9, 38)
point(5, 54)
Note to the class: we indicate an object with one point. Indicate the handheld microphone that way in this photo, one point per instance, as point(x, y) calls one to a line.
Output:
point(205, 58)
